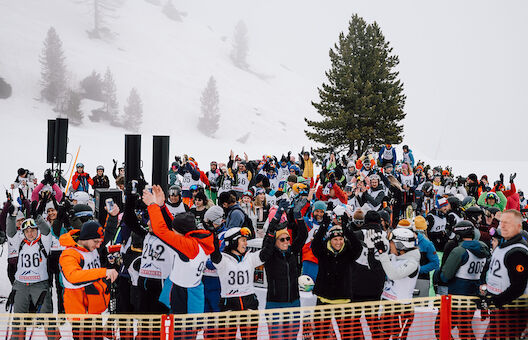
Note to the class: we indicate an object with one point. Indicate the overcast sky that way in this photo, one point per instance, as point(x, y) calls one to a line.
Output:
point(463, 63)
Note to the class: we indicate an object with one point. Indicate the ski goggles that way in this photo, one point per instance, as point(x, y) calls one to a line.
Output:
point(193, 187)
point(79, 165)
point(28, 223)
point(392, 237)
point(174, 192)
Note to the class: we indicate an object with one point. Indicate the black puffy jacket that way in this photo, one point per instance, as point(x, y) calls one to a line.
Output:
point(335, 269)
point(281, 267)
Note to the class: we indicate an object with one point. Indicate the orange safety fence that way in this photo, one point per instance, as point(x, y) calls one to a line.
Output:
point(446, 317)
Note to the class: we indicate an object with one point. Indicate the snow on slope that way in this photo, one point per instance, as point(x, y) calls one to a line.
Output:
point(169, 62)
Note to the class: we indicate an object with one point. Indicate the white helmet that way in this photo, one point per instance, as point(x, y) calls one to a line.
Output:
point(404, 239)
point(306, 283)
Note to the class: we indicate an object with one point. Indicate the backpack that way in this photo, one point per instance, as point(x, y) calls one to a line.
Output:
point(247, 221)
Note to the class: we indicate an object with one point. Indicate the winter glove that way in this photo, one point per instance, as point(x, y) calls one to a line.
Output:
point(501, 177)
point(283, 204)
point(3, 237)
point(326, 221)
point(512, 177)
point(10, 300)
point(298, 205)
point(115, 162)
point(377, 239)
point(483, 302)
point(48, 177)
point(368, 238)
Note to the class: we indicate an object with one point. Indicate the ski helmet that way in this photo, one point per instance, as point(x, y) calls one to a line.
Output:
point(174, 190)
point(100, 167)
point(306, 283)
point(232, 235)
point(468, 202)
point(427, 187)
point(492, 195)
point(454, 202)
point(79, 165)
point(464, 229)
point(404, 239)
point(335, 231)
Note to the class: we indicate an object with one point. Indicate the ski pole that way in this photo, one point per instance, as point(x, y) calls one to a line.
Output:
point(71, 173)
point(40, 302)
point(10, 303)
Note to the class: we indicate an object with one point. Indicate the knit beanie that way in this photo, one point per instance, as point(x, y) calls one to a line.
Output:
point(184, 222)
point(319, 205)
point(91, 230)
point(372, 217)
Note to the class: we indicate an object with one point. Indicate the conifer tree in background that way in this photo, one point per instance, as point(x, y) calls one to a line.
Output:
point(240, 46)
point(93, 87)
point(71, 107)
point(101, 10)
point(5, 89)
point(53, 69)
point(111, 106)
point(133, 111)
point(362, 102)
point(208, 122)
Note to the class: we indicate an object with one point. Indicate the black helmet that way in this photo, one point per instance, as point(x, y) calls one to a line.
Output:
point(454, 202)
point(464, 229)
point(427, 187)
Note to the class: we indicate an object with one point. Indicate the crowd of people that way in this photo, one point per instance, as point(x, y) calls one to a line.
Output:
point(364, 229)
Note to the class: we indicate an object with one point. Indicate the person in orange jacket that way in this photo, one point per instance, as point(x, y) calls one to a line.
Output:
point(85, 282)
point(183, 290)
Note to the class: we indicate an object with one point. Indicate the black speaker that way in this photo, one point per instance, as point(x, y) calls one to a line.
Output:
point(50, 156)
point(132, 157)
point(61, 140)
point(57, 140)
point(160, 161)
point(101, 195)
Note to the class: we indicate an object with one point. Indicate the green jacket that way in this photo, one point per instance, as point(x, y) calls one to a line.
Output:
point(500, 203)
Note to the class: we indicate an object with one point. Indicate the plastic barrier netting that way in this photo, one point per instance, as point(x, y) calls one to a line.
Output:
point(445, 317)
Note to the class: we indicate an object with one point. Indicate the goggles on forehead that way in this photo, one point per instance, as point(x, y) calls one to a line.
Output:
point(29, 223)
point(391, 237)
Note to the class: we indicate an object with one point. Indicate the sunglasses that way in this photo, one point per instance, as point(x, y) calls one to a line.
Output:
point(284, 239)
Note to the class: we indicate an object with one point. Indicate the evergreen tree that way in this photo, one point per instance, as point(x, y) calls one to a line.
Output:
point(362, 102)
point(111, 106)
point(53, 69)
point(208, 122)
point(240, 46)
point(93, 87)
point(72, 107)
point(133, 112)
point(102, 10)
point(5, 89)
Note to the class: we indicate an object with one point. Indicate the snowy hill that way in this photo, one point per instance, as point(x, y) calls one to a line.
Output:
point(169, 62)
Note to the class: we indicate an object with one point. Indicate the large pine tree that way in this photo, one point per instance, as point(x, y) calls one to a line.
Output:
point(111, 106)
point(240, 46)
point(208, 122)
point(53, 69)
point(362, 102)
point(133, 112)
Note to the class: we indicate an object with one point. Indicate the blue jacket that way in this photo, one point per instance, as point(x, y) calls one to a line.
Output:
point(411, 157)
point(380, 155)
point(429, 258)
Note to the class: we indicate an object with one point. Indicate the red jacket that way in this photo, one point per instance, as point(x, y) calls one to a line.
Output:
point(339, 194)
point(76, 181)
